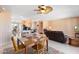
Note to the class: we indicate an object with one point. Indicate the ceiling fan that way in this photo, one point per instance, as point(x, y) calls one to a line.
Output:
point(42, 9)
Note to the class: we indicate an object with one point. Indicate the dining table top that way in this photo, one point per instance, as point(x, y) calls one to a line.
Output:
point(32, 40)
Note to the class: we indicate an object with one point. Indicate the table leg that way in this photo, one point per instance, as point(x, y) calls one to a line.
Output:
point(26, 50)
point(47, 44)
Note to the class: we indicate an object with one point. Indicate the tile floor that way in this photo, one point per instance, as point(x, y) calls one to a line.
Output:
point(67, 49)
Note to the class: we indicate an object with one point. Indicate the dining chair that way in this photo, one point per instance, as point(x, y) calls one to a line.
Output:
point(18, 45)
point(40, 47)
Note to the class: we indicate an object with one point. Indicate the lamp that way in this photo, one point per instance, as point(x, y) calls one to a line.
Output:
point(76, 28)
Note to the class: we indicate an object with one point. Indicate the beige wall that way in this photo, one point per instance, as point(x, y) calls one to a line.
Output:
point(78, 20)
point(66, 25)
point(4, 29)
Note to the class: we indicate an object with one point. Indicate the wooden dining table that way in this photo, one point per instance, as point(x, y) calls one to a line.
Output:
point(33, 40)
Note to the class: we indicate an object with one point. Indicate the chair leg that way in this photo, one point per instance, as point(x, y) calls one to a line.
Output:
point(47, 44)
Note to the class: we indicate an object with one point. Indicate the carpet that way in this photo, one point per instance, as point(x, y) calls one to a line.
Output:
point(50, 51)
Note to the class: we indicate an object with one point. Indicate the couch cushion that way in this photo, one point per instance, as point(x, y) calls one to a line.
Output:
point(55, 35)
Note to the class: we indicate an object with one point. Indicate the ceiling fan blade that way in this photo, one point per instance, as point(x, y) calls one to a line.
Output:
point(42, 9)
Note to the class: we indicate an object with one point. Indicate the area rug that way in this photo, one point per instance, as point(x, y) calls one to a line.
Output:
point(50, 51)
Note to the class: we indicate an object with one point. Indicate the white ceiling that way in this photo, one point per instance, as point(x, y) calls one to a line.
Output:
point(27, 11)
point(20, 10)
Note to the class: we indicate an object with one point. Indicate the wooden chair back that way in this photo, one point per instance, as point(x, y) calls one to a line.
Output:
point(14, 43)
point(17, 44)
point(42, 41)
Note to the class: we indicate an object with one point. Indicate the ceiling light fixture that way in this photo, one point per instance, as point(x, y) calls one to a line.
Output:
point(42, 9)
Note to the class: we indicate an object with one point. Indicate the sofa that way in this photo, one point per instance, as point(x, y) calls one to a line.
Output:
point(55, 35)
